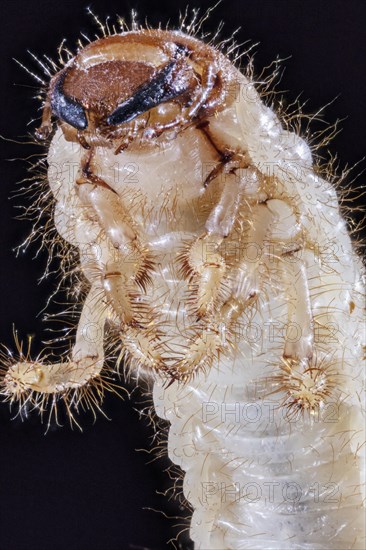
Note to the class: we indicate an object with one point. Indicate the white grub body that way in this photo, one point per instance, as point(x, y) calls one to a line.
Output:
point(269, 429)
point(256, 475)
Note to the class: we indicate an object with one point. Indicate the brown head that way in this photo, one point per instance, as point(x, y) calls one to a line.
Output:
point(139, 83)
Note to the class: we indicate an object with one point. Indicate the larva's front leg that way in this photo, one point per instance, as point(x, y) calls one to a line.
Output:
point(124, 272)
point(37, 380)
point(202, 262)
point(115, 221)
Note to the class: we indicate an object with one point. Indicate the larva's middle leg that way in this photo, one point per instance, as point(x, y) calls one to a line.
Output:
point(117, 267)
point(306, 374)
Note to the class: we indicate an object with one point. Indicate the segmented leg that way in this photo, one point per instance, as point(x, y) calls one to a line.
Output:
point(306, 375)
point(118, 268)
point(84, 365)
point(202, 262)
point(124, 272)
point(218, 287)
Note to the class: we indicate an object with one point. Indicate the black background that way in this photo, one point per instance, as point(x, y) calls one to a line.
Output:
point(90, 490)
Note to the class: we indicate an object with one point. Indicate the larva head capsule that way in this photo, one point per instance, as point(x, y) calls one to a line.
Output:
point(137, 84)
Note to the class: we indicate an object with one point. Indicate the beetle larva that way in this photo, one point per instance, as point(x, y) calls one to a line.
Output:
point(216, 251)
